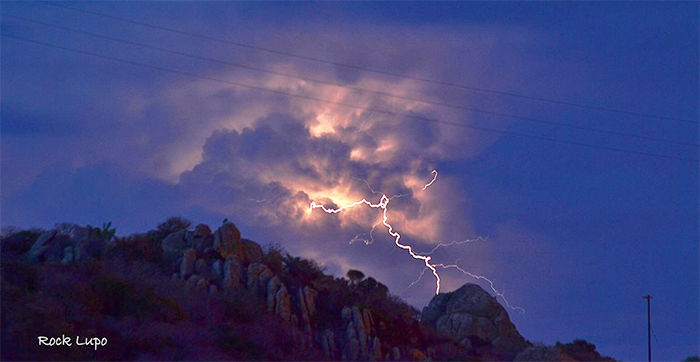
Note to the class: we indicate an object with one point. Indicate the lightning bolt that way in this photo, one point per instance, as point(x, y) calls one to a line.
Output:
point(431, 181)
point(383, 204)
point(500, 294)
point(453, 243)
point(419, 278)
point(359, 237)
point(363, 123)
point(426, 258)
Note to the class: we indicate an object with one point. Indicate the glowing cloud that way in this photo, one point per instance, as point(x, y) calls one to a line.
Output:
point(426, 258)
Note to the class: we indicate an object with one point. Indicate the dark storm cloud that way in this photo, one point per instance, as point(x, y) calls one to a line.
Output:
point(22, 124)
point(86, 140)
point(259, 158)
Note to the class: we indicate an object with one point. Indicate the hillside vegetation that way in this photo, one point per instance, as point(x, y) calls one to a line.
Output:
point(186, 293)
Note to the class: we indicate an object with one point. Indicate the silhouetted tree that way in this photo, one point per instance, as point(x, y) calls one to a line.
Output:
point(355, 276)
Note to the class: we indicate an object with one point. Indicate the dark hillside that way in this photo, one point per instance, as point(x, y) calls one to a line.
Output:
point(183, 293)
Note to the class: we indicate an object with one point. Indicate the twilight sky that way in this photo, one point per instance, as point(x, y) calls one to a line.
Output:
point(573, 235)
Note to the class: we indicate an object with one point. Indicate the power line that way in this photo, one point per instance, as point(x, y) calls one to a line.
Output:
point(658, 344)
point(357, 89)
point(350, 66)
point(478, 128)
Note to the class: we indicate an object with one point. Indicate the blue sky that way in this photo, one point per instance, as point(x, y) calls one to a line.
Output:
point(574, 235)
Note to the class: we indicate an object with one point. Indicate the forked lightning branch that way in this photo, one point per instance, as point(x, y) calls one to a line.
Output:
point(383, 204)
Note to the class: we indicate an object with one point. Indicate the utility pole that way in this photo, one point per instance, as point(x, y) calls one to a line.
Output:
point(648, 298)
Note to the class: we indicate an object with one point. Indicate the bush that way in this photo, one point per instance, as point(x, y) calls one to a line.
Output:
point(18, 274)
point(139, 247)
point(173, 224)
point(581, 350)
point(539, 352)
point(274, 258)
point(19, 242)
point(301, 272)
point(121, 298)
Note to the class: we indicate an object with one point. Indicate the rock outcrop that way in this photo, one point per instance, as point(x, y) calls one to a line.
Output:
point(360, 339)
point(328, 346)
point(470, 315)
point(227, 241)
point(201, 238)
point(258, 276)
point(282, 304)
point(189, 258)
point(252, 251)
point(223, 262)
point(541, 353)
point(69, 243)
point(174, 243)
point(233, 273)
point(46, 247)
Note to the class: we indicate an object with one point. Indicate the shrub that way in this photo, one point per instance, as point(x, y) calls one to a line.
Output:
point(274, 258)
point(173, 224)
point(121, 298)
point(138, 247)
point(18, 274)
point(19, 242)
point(300, 272)
point(581, 350)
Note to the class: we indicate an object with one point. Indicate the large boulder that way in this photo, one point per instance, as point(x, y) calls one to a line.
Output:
point(360, 330)
point(278, 300)
point(258, 276)
point(359, 342)
point(187, 265)
point(233, 273)
point(351, 351)
point(174, 243)
point(68, 243)
point(227, 241)
point(217, 271)
point(47, 247)
point(310, 295)
point(328, 344)
point(252, 251)
point(201, 238)
point(68, 256)
point(273, 287)
point(469, 315)
point(282, 303)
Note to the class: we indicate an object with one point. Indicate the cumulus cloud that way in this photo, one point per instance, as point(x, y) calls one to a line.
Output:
point(267, 173)
point(260, 158)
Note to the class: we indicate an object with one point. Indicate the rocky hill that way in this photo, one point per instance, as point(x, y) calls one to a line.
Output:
point(182, 293)
point(472, 317)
